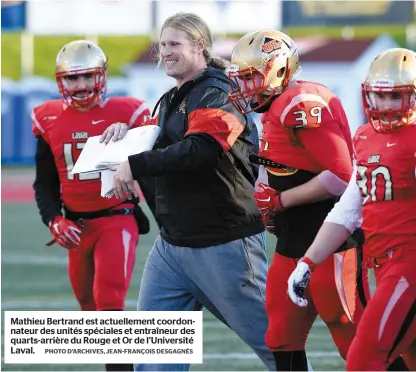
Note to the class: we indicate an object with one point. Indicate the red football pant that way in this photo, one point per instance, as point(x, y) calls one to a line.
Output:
point(388, 325)
point(333, 294)
point(100, 268)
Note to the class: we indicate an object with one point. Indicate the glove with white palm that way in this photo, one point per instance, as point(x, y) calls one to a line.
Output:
point(299, 280)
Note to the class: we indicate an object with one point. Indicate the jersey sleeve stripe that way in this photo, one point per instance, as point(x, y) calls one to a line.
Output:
point(35, 120)
point(303, 97)
point(136, 114)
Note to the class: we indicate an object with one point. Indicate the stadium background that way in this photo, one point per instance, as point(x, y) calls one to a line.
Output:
point(34, 276)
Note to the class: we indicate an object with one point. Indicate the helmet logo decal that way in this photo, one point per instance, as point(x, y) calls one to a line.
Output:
point(75, 67)
point(269, 45)
point(382, 83)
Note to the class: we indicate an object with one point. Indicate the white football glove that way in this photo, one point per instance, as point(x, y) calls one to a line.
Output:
point(298, 281)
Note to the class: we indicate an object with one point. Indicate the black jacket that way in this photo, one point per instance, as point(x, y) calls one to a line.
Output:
point(203, 179)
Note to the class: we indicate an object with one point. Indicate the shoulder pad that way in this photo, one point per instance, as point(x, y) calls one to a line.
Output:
point(135, 110)
point(361, 133)
point(305, 110)
point(44, 114)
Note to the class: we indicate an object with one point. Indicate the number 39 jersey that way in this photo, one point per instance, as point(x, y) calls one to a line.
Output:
point(386, 177)
point(307, 131)
point(66, 131)
point(300, 115)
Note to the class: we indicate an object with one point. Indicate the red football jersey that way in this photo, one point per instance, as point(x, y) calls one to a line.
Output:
point(66, 130)
point(386, 166)
point(306, 128)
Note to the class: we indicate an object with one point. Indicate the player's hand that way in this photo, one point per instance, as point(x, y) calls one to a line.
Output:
point(124, 185)
point(268, 200)
point(299, 280)
point(114, 132)
point(65, 232)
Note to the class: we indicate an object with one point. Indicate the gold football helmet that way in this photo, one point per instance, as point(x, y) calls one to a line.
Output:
point(263, 63)
point(81, 57)
point(393, 72)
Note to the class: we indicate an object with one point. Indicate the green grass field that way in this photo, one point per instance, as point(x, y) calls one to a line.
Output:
point(34, 278)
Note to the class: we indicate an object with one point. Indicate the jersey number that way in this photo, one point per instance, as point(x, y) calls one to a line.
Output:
point(369, 187)
point(314, 111)
point(69, 162)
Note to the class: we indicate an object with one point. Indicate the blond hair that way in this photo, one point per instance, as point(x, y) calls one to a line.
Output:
point(197, 30)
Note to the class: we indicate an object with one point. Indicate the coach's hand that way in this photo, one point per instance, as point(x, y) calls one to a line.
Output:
point(268, 200)
point(299, 280)
point(66, 233)
point(124, 185)
point(114, 132)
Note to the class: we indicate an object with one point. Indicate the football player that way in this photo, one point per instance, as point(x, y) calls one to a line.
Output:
point(100, 234)
point(307, 151)
point(381, 196)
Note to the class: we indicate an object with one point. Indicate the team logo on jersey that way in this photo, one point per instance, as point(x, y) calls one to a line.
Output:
point(270, 45)
point(361, 137)
point(374, 159)
point(79, 135)
point(182, 107)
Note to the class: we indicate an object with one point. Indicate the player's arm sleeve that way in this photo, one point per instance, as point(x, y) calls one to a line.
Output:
point(47, 186)
point(332, 183)
point(213, 127)
point(348, 211)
